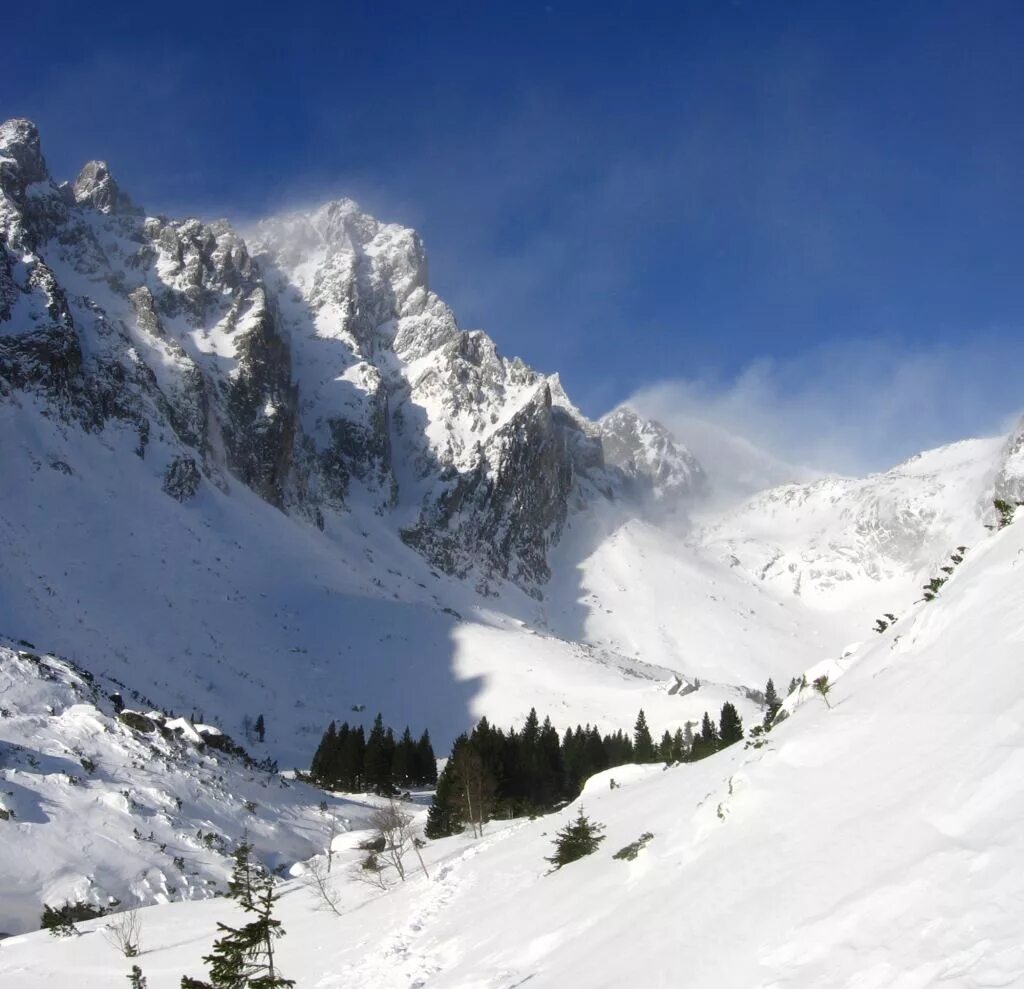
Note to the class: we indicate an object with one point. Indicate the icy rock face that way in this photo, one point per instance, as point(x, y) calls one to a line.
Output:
point(307, 361)
point(1009, 483)
point(84, 273)
point(95, 187)
point(513, 504)
point(650, 457)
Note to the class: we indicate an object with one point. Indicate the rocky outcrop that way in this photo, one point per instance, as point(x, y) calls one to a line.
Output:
point(504, 514)
point(1009, 482)
point(657, 466)
point(95, 187)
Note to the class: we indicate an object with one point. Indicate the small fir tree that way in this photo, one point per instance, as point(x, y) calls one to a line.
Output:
point(261, 729)
point(823, 687)
point(443, 817)
point(772, 703)
point(136, 978)
point(577, 839)
point(243, 957)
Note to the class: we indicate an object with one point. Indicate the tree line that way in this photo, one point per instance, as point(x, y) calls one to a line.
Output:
point(346, 759)
point(496, 773)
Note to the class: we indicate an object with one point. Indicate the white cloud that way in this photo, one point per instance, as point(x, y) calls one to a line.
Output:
point(851, 407)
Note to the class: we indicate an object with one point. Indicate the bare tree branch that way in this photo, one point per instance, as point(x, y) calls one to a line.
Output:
point(124, 932)
point(316, 879)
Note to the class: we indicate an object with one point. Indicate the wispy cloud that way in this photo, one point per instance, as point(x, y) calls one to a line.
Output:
point(850, 407)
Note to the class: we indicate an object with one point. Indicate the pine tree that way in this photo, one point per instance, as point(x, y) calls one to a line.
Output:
point(577, 839)
point(136, 978)
point(549, 768)
point(665, 748)
point(772, 703)
point(261, 728)
point(443, 815)
point(244, 873)
point(322, 756)
point(531, 730)
point(730, 725)
point(643, 744)
point(706, 742)
point(404, 760)
point(377, 762)
point(243, 958)
point(678, 746)
point(426, 762)
point(351, 759)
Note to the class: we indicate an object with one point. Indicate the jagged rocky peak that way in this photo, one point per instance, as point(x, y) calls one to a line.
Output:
point(21, 152)
point(95, 187)
point(648, 454)
point(361, 273)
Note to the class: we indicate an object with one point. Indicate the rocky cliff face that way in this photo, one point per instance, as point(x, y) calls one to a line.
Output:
point(1009, 483)
point(658, 467)
point(309, 361)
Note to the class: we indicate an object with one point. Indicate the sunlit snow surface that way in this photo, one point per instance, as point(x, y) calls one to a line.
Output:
point(876, 843)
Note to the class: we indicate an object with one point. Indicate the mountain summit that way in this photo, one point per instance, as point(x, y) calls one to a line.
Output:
point(309, 361)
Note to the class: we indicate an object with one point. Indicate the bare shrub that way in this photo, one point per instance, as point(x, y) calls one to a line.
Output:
point(317, 879)
point(124, 932)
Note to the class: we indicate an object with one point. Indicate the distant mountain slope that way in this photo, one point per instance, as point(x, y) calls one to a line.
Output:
point(844, 544)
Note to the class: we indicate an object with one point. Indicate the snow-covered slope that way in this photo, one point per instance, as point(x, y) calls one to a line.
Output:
point(647, 592)
point(863, 545)
point(139, 807)
point(873, 843)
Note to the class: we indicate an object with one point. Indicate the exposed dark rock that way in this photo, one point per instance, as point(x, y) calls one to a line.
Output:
point(137, 721)
point(508, 510)
point(95, 187)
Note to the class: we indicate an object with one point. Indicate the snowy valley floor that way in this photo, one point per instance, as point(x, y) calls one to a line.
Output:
point(873, 844)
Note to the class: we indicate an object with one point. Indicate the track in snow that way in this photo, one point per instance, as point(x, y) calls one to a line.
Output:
point(400, 962)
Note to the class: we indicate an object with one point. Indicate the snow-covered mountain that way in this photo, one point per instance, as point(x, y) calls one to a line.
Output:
point(311, 362)
point(266, 472)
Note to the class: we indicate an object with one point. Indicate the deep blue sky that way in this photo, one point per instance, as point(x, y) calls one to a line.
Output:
point(621, 192)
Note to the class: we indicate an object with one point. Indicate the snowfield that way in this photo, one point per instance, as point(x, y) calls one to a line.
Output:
point(876, 843)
